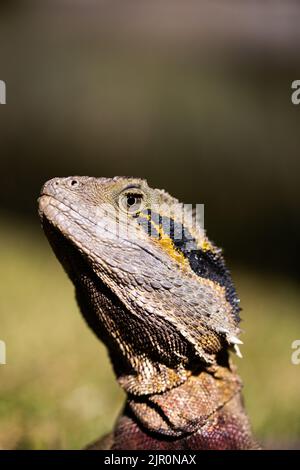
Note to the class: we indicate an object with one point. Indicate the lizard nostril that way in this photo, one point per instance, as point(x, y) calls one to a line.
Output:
point(74, 183)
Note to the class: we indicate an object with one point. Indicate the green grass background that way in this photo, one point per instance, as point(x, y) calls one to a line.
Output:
point(58, 390)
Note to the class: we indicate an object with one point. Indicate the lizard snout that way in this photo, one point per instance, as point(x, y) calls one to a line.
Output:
point(55, 185)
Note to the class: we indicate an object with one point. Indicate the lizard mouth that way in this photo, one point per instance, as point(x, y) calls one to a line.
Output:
point(50, 207)
point(61, 245)
point(43, 203)
point(72, 260)
point(54, 215)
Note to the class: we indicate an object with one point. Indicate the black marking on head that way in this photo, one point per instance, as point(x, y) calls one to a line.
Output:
point(205, 263)
point(211, 266)
point(208, 265)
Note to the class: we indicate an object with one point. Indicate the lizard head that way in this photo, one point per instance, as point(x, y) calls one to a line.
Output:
point(148, 281)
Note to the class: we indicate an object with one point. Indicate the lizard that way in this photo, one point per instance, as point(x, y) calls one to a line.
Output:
point(157, 292)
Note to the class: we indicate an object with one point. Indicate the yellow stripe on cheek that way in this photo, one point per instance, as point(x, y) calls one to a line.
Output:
point(167, 244)
point(206, 245)
point(164, 241)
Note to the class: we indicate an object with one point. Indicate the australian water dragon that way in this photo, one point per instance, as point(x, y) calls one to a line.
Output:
point(157, 292)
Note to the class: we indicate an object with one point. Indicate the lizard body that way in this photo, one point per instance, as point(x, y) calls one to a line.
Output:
point(157, 292)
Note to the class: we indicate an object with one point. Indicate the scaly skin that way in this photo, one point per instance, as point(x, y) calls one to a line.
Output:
point(156, 291)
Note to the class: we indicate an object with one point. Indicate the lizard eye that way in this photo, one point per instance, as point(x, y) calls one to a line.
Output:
point(131, 202)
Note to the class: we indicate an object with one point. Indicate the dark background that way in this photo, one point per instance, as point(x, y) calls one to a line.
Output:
point(196, 98)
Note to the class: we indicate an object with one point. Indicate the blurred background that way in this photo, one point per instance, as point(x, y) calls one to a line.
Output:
point(195, 96)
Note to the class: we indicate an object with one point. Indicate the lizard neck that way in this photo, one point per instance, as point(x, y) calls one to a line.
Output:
point(184, 409)
point(205, 412)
